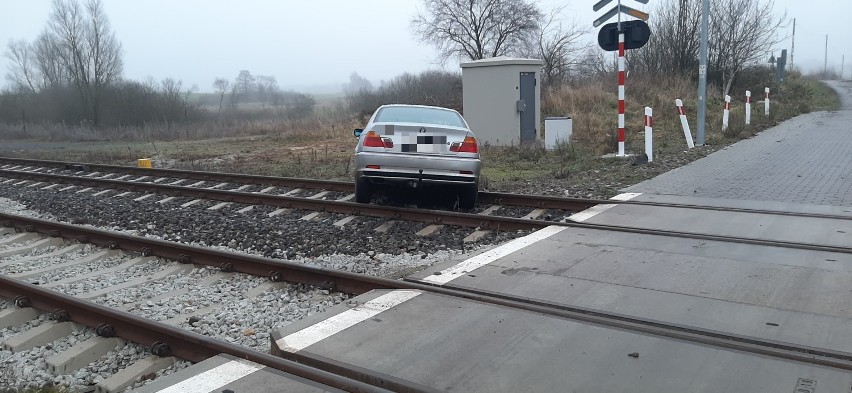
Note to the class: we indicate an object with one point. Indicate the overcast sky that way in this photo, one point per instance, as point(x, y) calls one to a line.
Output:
point(321, 42)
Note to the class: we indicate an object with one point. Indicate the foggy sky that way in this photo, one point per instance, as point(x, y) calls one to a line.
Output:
point(305, 44)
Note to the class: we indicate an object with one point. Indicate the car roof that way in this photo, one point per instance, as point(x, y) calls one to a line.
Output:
point(416, 106)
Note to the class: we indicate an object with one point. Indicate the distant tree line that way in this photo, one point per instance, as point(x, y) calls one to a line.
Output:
point(260, 89)
point(72, 74)
point(436, 88)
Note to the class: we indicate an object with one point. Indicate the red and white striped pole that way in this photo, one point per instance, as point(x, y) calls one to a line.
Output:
point(684, 123)
point(620, 94)
point(726, 113)
point(766, 102)
point(649, 133)
point(748, 108)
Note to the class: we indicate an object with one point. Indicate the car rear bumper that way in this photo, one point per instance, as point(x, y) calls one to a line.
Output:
point(426, 168)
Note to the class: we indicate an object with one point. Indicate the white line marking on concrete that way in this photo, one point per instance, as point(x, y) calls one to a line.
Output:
point(215, 378)
point(595, 210)
point(492, 255)
point(321, 330)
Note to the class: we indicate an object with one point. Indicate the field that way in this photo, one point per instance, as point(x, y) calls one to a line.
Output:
point(322, 147)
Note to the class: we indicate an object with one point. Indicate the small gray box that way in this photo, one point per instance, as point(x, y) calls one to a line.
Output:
point(557, 129)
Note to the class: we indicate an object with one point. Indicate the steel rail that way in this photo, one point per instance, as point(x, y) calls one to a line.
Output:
point(166, 340)
point(430, 216)
point(510, 199)
point(294, 182)
point(356, 283)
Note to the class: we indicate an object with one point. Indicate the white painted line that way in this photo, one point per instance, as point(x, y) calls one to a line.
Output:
point(215, 378)
point(492, 255)
point(598, 209)
point(321, 330)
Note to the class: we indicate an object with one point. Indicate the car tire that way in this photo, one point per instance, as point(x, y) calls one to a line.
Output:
point(467, 197)
point(363, 193)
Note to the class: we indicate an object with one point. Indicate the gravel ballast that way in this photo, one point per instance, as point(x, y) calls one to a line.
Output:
point(221, 308)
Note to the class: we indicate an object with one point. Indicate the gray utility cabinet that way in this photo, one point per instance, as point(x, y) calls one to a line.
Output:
point(501, 98)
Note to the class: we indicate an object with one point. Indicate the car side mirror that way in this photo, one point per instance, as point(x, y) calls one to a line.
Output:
point(358, 132)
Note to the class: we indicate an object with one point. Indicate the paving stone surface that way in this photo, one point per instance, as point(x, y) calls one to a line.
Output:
point(807, 159)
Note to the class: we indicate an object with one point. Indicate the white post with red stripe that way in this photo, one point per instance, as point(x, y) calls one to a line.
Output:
point(726, 113)
point(748, 108)
point(684, 123)
point(766, 102)
point(649, 133)
point(621, 94)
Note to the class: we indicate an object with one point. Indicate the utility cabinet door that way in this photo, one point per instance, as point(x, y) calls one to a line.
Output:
point(526, 107)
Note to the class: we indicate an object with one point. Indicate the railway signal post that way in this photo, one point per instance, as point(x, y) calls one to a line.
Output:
point(619, 36)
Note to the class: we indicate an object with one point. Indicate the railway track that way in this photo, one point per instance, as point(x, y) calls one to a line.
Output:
point(484, 223)
point(331, 280)
point(538, 203)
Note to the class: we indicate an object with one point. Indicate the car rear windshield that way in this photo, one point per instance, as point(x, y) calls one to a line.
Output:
point(408, 114)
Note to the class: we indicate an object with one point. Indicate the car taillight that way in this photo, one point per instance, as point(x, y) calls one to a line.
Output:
point(468, 146)
point(372, 139)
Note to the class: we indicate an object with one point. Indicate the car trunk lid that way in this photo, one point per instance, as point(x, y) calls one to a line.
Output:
point(413, 138)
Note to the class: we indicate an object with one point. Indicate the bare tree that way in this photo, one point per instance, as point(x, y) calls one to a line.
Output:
point(267, 86)
point(221, 85)
point(743, 33)
point(88, 49)
point(22, 69)
point(477, 29)
point(48, 58)
point(356, 84)
point(673, 46)
point(244, 82)
point(560, 47)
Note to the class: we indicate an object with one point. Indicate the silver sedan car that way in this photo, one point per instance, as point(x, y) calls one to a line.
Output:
point(416, 146)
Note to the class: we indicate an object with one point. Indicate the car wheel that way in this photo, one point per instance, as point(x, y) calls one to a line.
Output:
point(362, 191)
point(467, 197)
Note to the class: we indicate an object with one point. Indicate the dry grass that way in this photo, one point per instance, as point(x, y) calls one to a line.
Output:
point(594, 109)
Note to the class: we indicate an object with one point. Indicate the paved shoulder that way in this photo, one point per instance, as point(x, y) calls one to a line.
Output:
point(807, 159)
